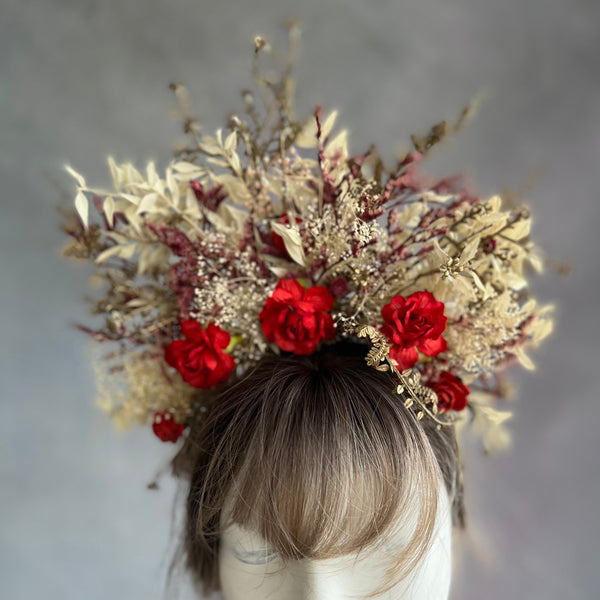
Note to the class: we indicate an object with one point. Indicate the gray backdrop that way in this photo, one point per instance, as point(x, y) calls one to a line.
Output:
point(81, 79)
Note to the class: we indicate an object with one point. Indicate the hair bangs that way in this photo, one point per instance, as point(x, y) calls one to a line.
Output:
point(326, 472)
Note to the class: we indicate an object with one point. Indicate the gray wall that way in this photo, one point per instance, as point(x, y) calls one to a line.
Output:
point(80, 79)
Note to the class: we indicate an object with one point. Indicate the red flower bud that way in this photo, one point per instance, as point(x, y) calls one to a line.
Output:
point(339, 287)
point(451, 392)
point(166, 428)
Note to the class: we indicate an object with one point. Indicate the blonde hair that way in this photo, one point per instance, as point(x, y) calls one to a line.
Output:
point(295, 443)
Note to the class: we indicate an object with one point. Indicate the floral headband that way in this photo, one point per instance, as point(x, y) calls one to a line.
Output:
point(270, 237)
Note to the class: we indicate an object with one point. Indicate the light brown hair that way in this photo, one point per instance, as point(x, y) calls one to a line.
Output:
point(293, 445)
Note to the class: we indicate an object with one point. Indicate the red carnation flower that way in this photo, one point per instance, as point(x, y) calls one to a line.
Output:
point(451, 392)
point(199, 357)
point(297, 319)
point(166, 428)
point(414, 323)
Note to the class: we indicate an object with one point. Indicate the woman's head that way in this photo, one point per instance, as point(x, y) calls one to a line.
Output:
point(318, 457)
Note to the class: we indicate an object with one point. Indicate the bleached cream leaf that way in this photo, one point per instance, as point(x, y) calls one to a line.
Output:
point(109, 210)
point(524, 359)
point(338, 146)
point(546, 310)
point(515, 280)
point(132, 175)
point(529, 306)
point(236, 166)
point(216, 220)
point(116, 173)
point(461, 285)
point(218, 162)
point(489, 423)
point(503, 303)
point(161, 257)
point(117, 237)
point(173, 186)
point(492, 219)
point(492, 224)
point(292, 241)
point(135, 200)
point(307, 138)
point(469, 251)
point(134, 220)
point(128, 250)
point(234, 217)
point(108, 253)
point(541, 329)
point(327, 126)
point(497, 439)
point(198, 175)
point(497, 417)
point(279, 271)
point(478, 397)
point(462, 421)
point(230, 142)
point(476, 279)
point(209, 145)
point(431, 196)
point(518, 230)
point(210, 149)
point(82, 207)
point(191, 204)
point(79, 178)
point(257, 241)
point(411, 215)
point(234, 187)
point(536, 260)
point(468, 378)
point(186, 167)
point(151, 174)
point(439, 255)
point(228, 220)
point(136, 302)
point(274, 184)
point(278, 266)
point(494, 203)
point(148, 203)
point(144, 259)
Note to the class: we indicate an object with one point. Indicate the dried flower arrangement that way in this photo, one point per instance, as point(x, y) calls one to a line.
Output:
point(269, 237)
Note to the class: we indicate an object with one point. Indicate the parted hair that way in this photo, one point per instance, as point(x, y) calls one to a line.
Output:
point(320, 456)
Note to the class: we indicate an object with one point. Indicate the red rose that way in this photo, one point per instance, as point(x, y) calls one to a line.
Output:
point(200, 358)
point(297, 319)
point(414, 323)
point(166, 428)
point(451, 392)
